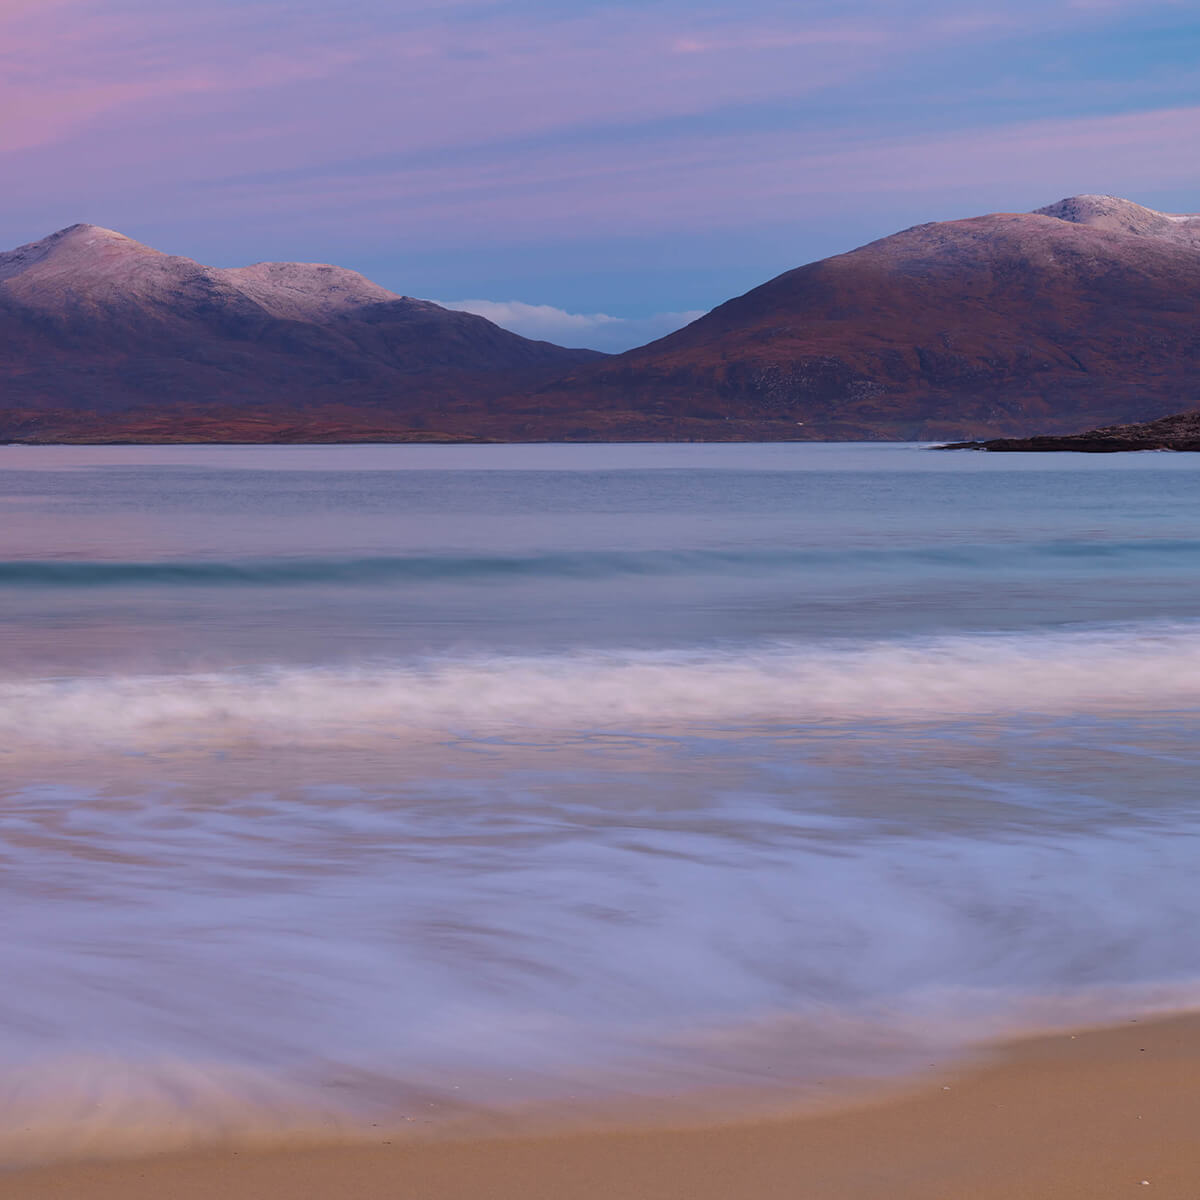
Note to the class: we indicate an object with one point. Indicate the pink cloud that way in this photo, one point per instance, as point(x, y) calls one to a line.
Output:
point(259, 84)
point(70, 65)
point(146, 108)
point(725, 182)
point(778, 39)
point(10, 9)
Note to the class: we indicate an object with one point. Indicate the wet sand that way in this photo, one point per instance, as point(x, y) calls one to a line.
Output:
point(1079, 1117)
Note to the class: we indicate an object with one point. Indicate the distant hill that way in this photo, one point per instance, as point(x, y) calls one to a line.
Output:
point(1084, 312)
point(105, 337)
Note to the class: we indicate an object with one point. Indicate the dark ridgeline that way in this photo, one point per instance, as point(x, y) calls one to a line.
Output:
point(1083, 313)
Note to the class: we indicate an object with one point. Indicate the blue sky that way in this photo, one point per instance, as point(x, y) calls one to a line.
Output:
point(626, 164)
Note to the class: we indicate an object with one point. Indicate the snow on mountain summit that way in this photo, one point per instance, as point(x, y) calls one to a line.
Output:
point(1124, 216)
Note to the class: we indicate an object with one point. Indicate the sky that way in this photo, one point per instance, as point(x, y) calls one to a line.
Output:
point(592, 173)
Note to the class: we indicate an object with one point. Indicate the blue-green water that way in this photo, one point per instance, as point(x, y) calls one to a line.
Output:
point(353, 786)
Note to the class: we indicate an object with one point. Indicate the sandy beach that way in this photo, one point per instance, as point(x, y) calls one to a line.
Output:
point(1100, 1113)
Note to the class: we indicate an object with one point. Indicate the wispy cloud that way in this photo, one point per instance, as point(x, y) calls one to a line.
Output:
point(396, 79)
point(758, 39)
point(382, 78)
point(710, 182)
point(595, 331)
point(118, 68)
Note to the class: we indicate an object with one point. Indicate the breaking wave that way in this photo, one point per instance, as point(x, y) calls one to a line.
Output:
point(1130, 669)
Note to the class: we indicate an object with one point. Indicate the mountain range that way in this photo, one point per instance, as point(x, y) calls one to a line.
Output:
point(105, 337)
point(1082, 313)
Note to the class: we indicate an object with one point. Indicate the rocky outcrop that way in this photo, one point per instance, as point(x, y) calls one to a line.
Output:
point(1178, 432)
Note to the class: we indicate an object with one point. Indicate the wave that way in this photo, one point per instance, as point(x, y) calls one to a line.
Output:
point(103, 1107)
point(92, 1106)
point(279, 572)
point(1129, 669)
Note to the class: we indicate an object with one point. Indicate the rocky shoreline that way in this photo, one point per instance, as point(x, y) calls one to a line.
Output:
point(1178, 432)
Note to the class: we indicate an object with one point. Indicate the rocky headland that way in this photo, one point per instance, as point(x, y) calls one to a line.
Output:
point(1178, 432)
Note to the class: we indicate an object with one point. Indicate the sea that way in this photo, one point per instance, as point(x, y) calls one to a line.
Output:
point(352, 791)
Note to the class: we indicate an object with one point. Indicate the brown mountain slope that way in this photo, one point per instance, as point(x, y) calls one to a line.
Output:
point(94, 325)
point(1082, 312)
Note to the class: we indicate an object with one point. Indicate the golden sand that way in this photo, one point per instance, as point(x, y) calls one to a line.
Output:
point(1098, 1114)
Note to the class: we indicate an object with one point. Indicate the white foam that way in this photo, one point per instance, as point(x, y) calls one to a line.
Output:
point(102, 1106)
point(215, 953)
point(1133, 669)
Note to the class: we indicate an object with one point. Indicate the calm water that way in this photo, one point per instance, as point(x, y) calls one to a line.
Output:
point(361, 786)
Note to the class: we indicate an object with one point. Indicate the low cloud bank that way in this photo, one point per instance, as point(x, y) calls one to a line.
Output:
point(595, 331)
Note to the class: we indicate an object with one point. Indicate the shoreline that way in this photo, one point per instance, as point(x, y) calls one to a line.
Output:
point(1070, 1116)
